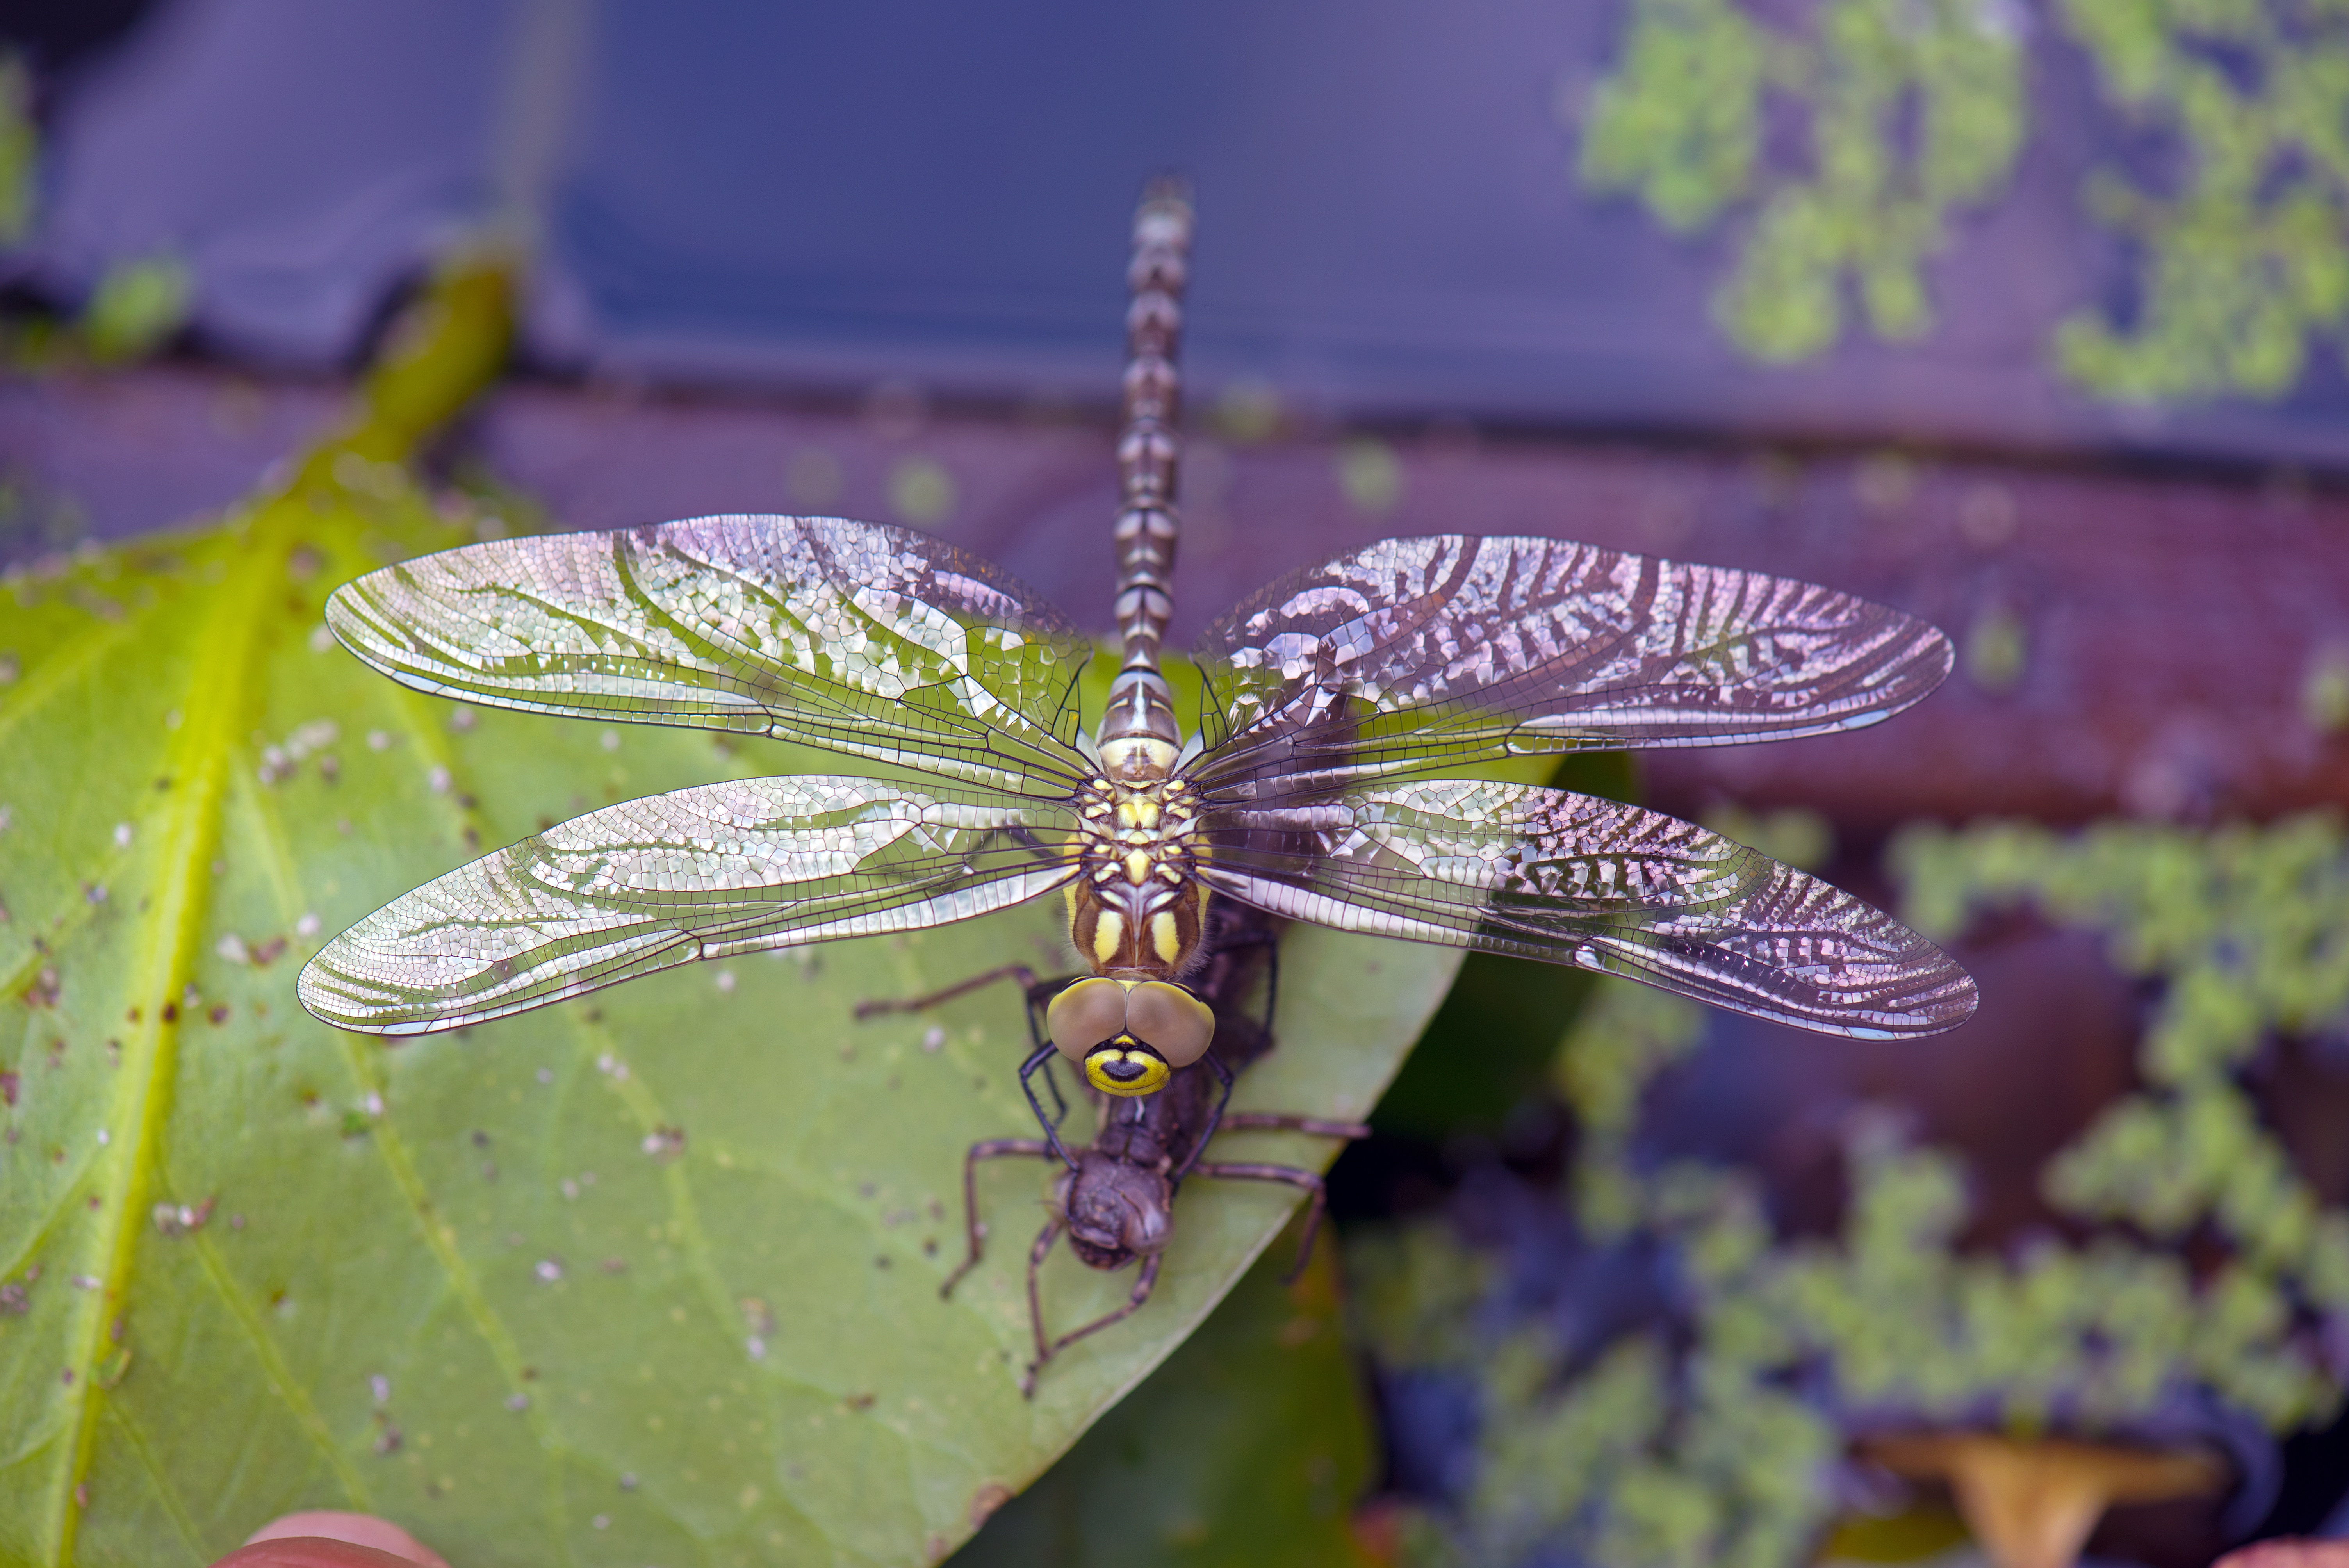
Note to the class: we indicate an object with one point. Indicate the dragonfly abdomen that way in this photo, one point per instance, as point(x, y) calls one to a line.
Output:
point(1139, 738)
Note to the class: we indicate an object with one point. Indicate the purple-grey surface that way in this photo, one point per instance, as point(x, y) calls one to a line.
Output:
point(2136, 643)
point(828, 196)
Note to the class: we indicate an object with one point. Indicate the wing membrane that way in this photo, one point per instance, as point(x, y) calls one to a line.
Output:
point(703, 873)
point(879, 642)
point(1572, 878)
point(1413, 655)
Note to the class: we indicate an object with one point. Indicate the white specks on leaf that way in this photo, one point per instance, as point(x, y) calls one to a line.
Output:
point(464, 719)
point(934, 1039)
point(438, 780)
point(517, 1401)
point(548, 1270)
point(378, 740)
point(380, 1387)
point(322, 638)
point(307, 925)
point(85, 1282)
point(122, 835)
point(233, 949)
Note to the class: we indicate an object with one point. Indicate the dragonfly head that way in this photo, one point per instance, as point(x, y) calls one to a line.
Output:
point(1129, 1036)
point(1116, 1211)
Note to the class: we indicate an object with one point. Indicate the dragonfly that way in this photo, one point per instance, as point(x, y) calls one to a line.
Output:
point(1330, 776)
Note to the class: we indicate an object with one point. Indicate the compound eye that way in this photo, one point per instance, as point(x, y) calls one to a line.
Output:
point(1178, 1023)
point(1085, 1015)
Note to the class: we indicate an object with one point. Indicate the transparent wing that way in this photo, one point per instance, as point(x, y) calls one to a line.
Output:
point(1572, 878)
point(703, 873)
point(879, 642)
point(1413, 655)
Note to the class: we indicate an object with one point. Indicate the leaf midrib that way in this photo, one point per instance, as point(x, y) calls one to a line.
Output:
point(218, 698)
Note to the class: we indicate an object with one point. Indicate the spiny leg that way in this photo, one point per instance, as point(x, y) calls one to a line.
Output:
point(1041, 1058)
point(1215, 1120)
point(1019, 972)
point(975, 1229)
point(1288, 1175)
point(1037, 1253)
point(1034, 991)
point(1280, 1121)
point(1142, 1289)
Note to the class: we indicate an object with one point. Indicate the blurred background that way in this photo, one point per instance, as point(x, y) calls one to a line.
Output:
point(2023, 315)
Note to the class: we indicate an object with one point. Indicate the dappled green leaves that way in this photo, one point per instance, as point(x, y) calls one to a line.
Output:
point(1913, 114)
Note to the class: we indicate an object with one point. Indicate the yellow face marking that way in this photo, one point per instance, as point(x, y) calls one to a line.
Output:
point(1164, 937)
point(1109, 933)
point(1104, 873)
point(1173, 874)
point(1126, 1068)
point(1098, 808)
point(1137, 868)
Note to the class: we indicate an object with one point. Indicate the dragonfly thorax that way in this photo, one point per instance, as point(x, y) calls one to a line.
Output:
point(1136, 911)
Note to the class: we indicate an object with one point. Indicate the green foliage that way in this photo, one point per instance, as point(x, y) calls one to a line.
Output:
point(136, 308)
point(2245, 245)
point(1638, 1459)
point(1248, 1446)
point(20, 152)
point(1681, 124)
point(1719, 1451)
point(647, 1277)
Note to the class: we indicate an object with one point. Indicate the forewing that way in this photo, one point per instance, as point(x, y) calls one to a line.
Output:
point(704, 873)
point(1416, 655)
point(1572, 878)
point(878, 642)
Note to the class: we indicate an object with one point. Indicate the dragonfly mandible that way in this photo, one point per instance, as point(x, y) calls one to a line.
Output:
point(1322, 783)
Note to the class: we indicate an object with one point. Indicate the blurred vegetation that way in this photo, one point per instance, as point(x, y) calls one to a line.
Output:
point(20, 147)
point(139, 304)
point(2200, 1269)
point(2243, 233)
point(1913, 112)
point(2227, 184)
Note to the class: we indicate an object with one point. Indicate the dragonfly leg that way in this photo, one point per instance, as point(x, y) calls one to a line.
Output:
point(1019, 972)
point(975, 1228)
point(1044, 1352)
point(1215, 1120)
point(1290, 1175)
point(1280, 1122)
point(1040, 1059)
point(1037, 1253)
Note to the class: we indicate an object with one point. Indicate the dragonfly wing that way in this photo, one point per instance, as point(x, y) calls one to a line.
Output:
point(1572, 878)
point(704, 873)
point(1413, 655)
point(879, 642)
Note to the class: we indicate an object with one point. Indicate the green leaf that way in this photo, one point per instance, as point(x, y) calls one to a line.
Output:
point(651, 1277)
point(1248, 1446)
